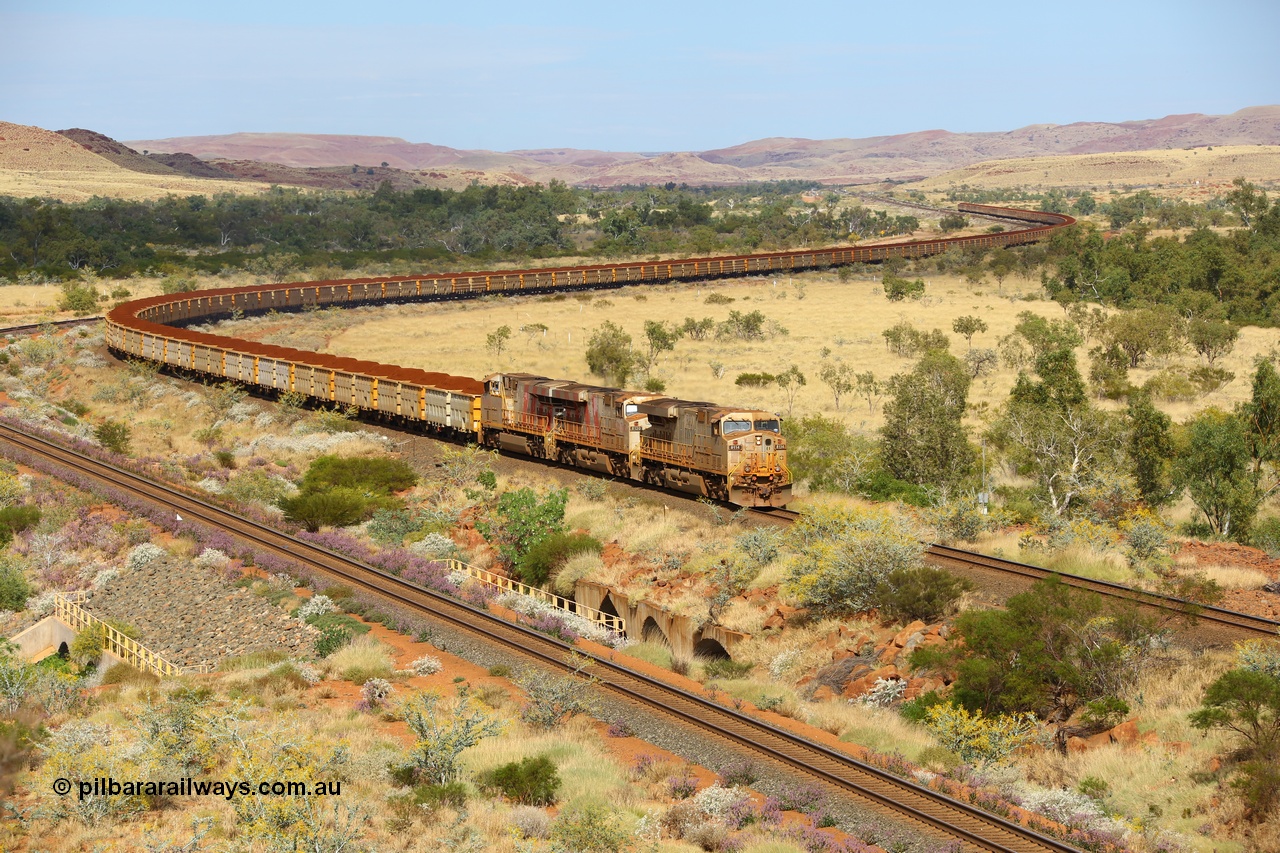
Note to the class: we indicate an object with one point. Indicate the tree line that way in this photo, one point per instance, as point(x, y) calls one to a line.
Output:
point(286, 230)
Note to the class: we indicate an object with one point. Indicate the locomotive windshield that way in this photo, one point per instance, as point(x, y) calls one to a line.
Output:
point(732, 426)
point(768, 426)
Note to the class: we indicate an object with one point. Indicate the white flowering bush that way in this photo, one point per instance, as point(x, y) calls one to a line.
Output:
point(210, 485)
point(241, 412)
point(143, 554)
point(884, 692)
point(1064, 806)
point(530, 822)
point(783, 661)
point(716, 801)
point(426, 665)
point(309, 673)
point(313, 443)
point(41, 605)
point(263, 420)
point(104, 577)
point(376, 691)
point(212, 558)
point(316, 605)
point(434, 545)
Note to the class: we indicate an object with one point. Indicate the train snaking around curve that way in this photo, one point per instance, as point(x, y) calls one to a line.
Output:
point(721, 452)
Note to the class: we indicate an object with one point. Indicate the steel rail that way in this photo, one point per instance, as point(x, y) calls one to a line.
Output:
point(931, 808)
point(56, 324)
point(948, 555)
point(1203, 612)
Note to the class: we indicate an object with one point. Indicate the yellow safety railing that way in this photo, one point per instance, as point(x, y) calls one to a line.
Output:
point(665, 451)
point(495, 581)
point(127, 649)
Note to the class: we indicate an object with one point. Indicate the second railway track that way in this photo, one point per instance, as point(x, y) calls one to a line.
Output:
point(975, 828)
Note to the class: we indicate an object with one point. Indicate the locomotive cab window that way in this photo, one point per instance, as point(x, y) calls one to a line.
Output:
point(732, 426)
point(768, 426)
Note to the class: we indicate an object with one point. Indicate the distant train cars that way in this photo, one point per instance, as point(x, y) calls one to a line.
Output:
point(706, 449)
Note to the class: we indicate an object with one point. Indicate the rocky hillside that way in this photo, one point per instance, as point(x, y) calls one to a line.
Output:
point(907, 156)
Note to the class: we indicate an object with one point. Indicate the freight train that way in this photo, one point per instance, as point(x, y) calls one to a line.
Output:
point(716, 451)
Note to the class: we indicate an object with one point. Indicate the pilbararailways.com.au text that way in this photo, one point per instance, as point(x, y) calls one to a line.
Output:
point(188, 787)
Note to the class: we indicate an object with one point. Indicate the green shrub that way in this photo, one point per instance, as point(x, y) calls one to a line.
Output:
point(548, 555)
point(532, 781)
point(378, 475)
point(451, 794)
point(334, 508)
point(754, 380)
point(881, 486)
point(718, 299)
point(113, 435)
point(589, 827)
point(917, 709)
point(16, 519)
point(896, 289)
point(521, 520)
point(173, 285)
point(339, 592)
point(728, 669)
point(86, 648)
point(654, 385)
point(14, 588)
point(1265, 534)
point(920, 592)
point(122, 673)
point(330, 640)
point(391, 526)
point(79, 298)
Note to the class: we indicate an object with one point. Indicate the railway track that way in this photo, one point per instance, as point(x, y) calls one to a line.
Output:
point(31, 328)
point(1230, 621)
point(1208, 615)
point(931, 810)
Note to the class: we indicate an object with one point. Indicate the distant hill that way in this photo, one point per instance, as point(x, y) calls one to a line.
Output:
point(118, 153)
point(40, 163)
point(902, 157)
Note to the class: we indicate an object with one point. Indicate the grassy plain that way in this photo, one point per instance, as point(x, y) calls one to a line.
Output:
point(819, 311)
point(1204, 171)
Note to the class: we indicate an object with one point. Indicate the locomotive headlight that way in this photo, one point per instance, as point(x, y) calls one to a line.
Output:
point(759, 438)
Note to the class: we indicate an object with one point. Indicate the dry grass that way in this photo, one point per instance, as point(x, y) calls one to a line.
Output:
point(1146, 780)
point(879, 729)
point(1234, 577)
point(584, 767)
point(1213, 168)
point(363, 658)
point(846, 317)
point(1084, 561)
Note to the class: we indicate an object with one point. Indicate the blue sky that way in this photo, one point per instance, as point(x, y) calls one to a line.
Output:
point(652, 76)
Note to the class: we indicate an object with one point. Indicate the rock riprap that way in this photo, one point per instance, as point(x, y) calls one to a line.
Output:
point(190, 616)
